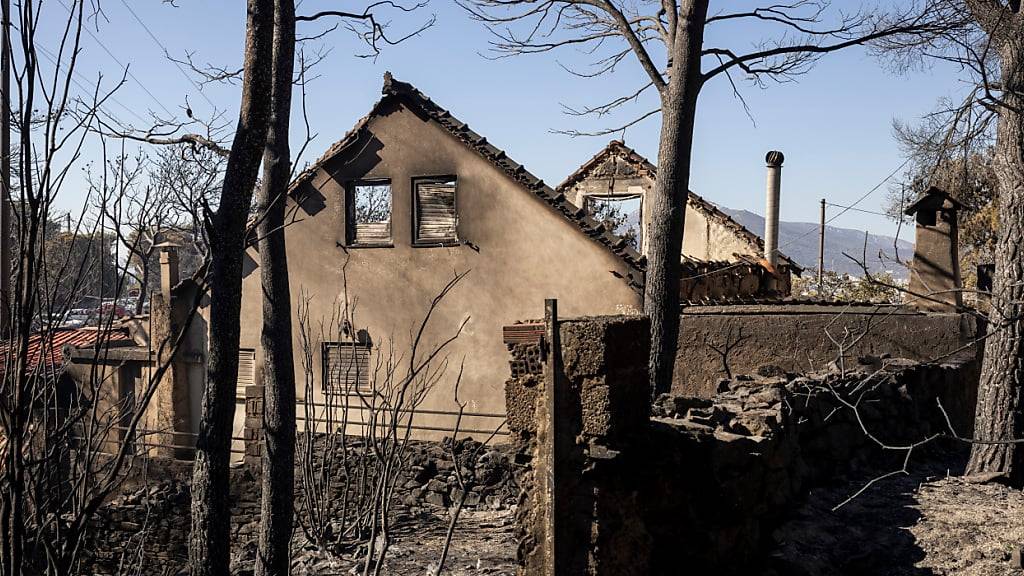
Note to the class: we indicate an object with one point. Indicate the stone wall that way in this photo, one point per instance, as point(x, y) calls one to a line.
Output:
point(566, 434)
point(696, 485)
point(764, 441)
point(149, 522)
point(806, 337)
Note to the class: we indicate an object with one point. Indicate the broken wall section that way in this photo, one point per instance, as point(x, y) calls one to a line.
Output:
point(698, 484)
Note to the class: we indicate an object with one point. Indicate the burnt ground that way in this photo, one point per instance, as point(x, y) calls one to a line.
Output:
point(483, 544)
point(927, 523)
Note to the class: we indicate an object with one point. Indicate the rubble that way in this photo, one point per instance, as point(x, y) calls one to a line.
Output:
point(148, 524)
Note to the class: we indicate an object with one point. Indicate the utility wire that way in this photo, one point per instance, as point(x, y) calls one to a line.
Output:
point(814, 230)
point(857, 209)
point(92, 87)
point(121, 64)
point(168, 54)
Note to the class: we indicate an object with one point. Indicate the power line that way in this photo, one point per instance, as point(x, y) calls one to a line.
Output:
point(857, 209)
point(168, 54)
point(88, 89)
point(121, 64)
point(872, 191)
point(813, 230)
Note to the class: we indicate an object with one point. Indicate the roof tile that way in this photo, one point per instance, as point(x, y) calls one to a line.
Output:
point(394, 89)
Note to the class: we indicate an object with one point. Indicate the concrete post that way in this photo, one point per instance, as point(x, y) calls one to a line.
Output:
point(774, 160)
point(821, 251)
point(550, 442)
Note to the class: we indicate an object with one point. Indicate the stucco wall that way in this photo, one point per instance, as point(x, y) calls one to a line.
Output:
point(797, 339)
point(519, 252)
point(706, 239)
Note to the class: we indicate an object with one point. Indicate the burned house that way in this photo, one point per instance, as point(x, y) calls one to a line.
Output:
point(389, 214)
point(613, 187)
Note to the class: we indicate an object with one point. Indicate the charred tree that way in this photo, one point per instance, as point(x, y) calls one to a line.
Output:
point(671, 189)
point(209, 543)
point(998, 418)
point(277, 506)
point(986, 38)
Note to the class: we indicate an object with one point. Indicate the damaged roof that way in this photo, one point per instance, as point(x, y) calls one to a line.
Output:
point(712, 212)
point(410, 96)
point(46, 348)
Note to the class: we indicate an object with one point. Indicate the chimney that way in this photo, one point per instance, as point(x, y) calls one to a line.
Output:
point(774, 159)
point(935, 282)
point(169, 277)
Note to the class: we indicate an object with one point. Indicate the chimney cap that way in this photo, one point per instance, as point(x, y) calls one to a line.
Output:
point(166, 246)
point(933, 200)
point(774, 159)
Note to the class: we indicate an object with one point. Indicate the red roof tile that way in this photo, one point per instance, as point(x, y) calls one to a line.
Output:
point(46, 349)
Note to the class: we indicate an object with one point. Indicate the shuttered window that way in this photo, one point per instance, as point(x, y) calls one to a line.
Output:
point(436, 218)
point(246, 367)
point(369, 213)
point(347, 367)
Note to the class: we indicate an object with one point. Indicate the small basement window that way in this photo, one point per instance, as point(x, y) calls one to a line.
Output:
point(347, 367)
point(621, 214)
point(436, 218)
point(369, 213)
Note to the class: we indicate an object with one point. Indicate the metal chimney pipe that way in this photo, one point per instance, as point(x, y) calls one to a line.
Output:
point(774, 160)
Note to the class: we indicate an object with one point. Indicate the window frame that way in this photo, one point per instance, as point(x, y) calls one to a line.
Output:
point(351, 239)
point(590, 198)
point(414, 189)
point(339, 390)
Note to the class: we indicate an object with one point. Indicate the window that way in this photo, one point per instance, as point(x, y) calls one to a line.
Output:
point(246, 367)
point(347, 367)
point(369, 213)
point(621, 214)
point(435, 211)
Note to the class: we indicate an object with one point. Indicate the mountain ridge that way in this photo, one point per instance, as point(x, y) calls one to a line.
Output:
point(799, 241)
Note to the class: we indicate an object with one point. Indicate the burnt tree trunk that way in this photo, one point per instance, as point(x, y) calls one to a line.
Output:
point(209, 542)
point(671, 190)
point(277, 507)
point(998, 417)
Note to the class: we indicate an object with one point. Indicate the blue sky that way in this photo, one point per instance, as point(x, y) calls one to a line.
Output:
point(834, 124)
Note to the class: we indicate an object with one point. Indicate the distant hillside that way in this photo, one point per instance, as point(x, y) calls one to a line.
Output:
point(799, 241)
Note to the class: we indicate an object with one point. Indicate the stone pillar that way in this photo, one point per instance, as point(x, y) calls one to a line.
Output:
point(253, 432)
point(593, 408)
point(168, 313)
point(170, 404)
point(935, 283)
